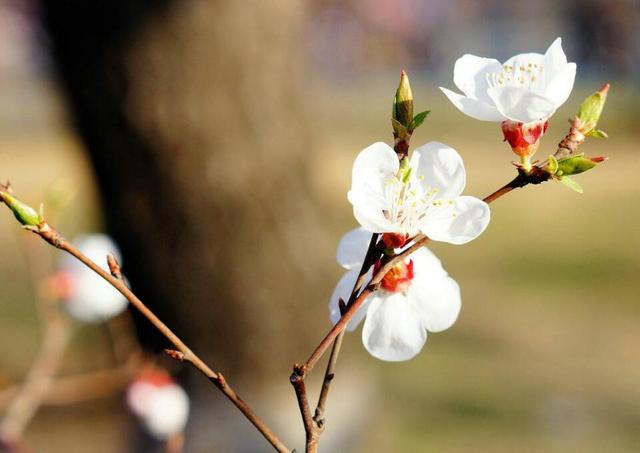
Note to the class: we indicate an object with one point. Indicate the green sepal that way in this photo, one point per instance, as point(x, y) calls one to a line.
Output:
point(571, 184)
point(418, 120)
point(574, 165)
point(597, 133)
point(399, 129)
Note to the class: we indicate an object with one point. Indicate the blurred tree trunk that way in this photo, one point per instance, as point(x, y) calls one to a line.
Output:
point(193, 120)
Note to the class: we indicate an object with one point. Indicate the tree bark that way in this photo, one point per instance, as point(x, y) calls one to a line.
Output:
point(192, 115)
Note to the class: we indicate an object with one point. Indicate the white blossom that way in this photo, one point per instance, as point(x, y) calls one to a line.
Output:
point(415, 297)
point(421, 197)
point(527, 87)
point(88, 297)
point(160, 404)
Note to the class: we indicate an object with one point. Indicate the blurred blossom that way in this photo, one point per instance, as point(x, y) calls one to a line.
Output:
point(160, 403)
point(86, 296)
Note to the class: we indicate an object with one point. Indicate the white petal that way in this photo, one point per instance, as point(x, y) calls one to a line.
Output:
point(426, 265)
point(470, 75)
point(374, 164)
point(343, 291)
point(522, 61)
point(554, 59)
point(470, 220)
point(352, 248)
point(393, 329)
point(521, 104)
point(437, 299)
point(559, 88)
point(474, 108)
point(373, 167)
point(436, 165)
point(370, 216)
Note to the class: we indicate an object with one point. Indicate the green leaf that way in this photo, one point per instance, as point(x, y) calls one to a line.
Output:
point(418, 120)
point(571, 184)
point(597, 133)
point(398, 128)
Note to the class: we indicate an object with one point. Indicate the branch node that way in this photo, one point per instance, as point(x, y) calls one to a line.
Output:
point(176, 355)
point(114, 266)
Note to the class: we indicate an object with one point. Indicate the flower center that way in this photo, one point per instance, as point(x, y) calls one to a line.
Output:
point(519, 74)
point(409, 202)
point(398, 278)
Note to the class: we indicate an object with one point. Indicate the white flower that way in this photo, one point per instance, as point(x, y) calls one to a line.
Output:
point(415, 297)
point(89, 298)
point(527, 87)
point(161, 405)
point(423, 197)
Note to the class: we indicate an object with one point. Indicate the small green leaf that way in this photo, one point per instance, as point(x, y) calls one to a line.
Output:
point(398, 128)
point(597, 133)
point(418, 120)
point(574, 165)
point(571, 184)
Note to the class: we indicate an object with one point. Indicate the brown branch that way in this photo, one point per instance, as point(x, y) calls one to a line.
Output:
point(53, 237)
point(336, 334)
point(370, 257)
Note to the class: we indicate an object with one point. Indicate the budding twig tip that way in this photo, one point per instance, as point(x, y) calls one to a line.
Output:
point(605, 88)
point(176, 355)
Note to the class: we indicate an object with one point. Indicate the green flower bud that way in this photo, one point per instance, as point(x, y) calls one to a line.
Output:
point(590, 111)
point(25, 214)
point(402, 113)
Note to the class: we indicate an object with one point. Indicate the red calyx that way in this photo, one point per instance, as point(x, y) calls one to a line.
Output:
point(394, 240)
point(398, 278)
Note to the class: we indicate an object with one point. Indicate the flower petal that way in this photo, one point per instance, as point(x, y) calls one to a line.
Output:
point(521, 104)
point(458, 223)
point(393, 329)
point(559, 88)
point(436, 165)
point(555, 59)
point(371, 170)
point(474, 108)
point(375, 163)
point(343, 291)
point(470, 76)
point(426, 265)
point(437, 300)
point(352, 248)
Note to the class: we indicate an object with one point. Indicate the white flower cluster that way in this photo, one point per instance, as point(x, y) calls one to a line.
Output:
point(422, 195)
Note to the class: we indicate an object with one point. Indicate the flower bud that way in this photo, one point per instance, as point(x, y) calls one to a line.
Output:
point(590, 111)
point(524, 138)
point(25, 214)
point(402, 113)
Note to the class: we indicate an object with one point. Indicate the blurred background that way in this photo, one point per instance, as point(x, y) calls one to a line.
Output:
point(214, 141)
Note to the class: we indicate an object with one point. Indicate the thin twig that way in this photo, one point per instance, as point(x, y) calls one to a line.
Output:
point(53, 237)
point(336, 333)
point(337, 344)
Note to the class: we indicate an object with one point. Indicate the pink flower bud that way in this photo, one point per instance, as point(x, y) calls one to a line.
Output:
point(524, 138)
